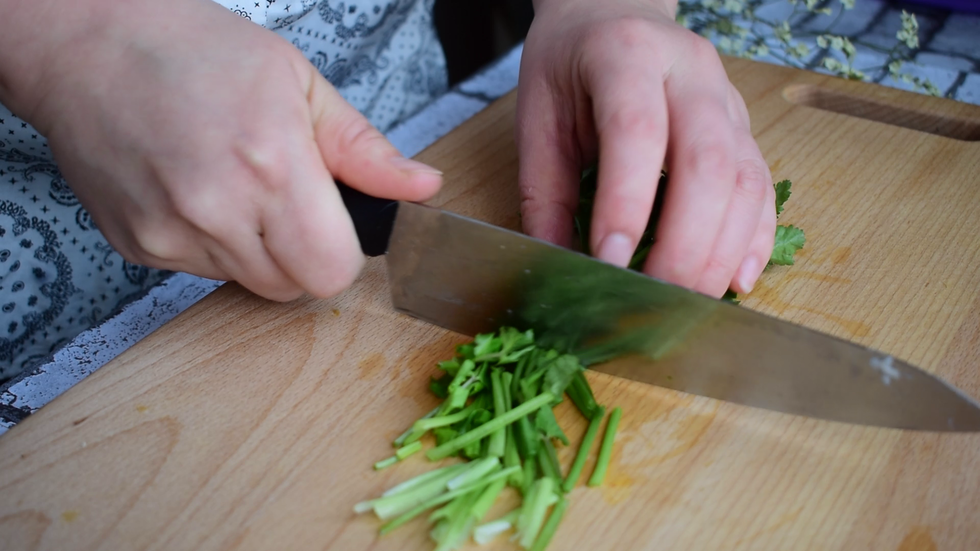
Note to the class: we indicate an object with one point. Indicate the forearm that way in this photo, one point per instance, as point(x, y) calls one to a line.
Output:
point(34, 35)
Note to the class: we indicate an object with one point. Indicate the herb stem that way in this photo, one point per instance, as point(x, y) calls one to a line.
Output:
point(407, 450)
point(551, 526)
point(443, 498)
point(498, 439)
point(583, 451)
point(605, 450)
point(385, 463)
point(487, 498)
point(401, 439)
point(536, 511)
point(484, 430)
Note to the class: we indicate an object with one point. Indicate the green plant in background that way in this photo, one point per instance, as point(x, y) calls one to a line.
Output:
point(741, 28)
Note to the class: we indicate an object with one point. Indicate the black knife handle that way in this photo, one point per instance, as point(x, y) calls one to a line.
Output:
point(373, 218)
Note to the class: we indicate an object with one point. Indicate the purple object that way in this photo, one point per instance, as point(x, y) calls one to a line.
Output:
point(965, 6)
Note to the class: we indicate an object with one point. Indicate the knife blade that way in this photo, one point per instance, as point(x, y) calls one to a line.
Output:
point(472, 277)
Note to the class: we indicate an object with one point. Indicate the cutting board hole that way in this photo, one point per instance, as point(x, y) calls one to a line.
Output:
point(958, 128)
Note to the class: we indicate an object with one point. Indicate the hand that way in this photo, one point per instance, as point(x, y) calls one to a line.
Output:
point(200, 142)
point(622, 82)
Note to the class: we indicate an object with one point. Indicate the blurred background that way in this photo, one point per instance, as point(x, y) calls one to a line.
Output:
point(475, 32)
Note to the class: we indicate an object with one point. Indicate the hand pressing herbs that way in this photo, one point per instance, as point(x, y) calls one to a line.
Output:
point(789, 239)
point(498, 396)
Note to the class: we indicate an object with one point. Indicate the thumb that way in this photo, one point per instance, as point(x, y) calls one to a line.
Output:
point(356, 153)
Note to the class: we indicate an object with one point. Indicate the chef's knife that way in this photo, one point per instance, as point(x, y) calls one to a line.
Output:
point(471, 277)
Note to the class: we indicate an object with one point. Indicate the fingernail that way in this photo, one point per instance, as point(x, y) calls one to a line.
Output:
point(616, 249)
point(748, 273)
point(409, 165)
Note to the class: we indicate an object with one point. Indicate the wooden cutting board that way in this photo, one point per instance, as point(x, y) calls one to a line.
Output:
point(245, 424)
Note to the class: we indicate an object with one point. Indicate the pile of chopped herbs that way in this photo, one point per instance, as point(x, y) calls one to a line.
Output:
point(498, 396)
point(497, 414)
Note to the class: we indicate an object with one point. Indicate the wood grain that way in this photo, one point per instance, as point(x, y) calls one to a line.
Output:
point(245, 424)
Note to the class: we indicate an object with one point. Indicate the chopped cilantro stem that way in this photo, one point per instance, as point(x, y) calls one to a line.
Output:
point(529, 473)
point(443, 498)
point(478, 433)
point(395, 504)
point(498, 439)
point(487, 498)
point(447, 510)
point(478, 470)
point(581, 394)
point(536, 511)
point(400, 441)
point(605, 450)
point(507, 379)
point(547, 469)
point(583, 451)
point(530, 496)
point(385, 463)
point(526, 437)
point(426, 477)
point(548, 461)
point(423, 425)
point(551, 526)
point(459, 524)
point(408, 450)
point(485, 533)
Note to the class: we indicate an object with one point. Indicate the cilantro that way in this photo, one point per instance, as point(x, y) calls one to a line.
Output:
point(789, 239)
point(605, 450)
point(498, 395)
point(782, 194)
point(546, 423)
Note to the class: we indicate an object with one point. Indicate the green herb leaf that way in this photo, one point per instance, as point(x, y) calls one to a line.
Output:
point(782, 194)
point(560, 373)
point(789, 239)
point(440, 386)
point(545, 422)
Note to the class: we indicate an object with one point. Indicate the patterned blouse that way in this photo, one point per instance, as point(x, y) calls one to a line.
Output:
point(59, 276)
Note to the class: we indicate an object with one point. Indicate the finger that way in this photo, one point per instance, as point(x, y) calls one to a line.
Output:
point(146, 238)
point(242, 254)
point(209, 234)
point(631, 122)
point(549, 165)
point(740, 226)
point(702, 161)
point(307, 230)
point(760, 248)
point(357, 154)
point(232, 252)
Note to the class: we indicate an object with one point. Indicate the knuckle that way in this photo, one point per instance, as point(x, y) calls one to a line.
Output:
point(619, 36)
point(266, 160)
point(752, 182)
point(155, 242)
point(357, 134)
point(717, 274)
point(712, 157)
point(701, 50)
point(679, 268)
point(638, 122)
